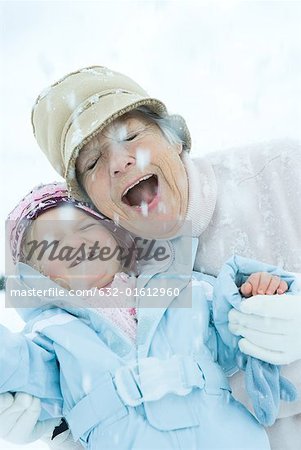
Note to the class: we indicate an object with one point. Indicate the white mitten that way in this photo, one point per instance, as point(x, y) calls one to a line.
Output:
point(19, 418)
point(270, 326)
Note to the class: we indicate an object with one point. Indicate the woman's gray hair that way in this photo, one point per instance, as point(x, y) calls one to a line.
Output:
point(163, 122)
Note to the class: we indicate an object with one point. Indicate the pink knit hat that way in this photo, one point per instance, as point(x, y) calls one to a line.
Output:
point(47, 196)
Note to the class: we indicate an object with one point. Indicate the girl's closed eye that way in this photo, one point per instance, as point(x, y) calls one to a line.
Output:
point(87, 226)
point(76, 262)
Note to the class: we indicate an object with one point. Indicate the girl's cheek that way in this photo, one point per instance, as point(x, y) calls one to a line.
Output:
point(61, 282)
point(54, 270)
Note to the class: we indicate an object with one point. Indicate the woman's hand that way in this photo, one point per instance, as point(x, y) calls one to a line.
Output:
point(270, 327)
point(263, 283)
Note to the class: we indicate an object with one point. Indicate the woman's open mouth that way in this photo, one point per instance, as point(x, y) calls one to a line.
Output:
point(143, 192)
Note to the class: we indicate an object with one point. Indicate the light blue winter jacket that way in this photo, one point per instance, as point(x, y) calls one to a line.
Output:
point(164, 392)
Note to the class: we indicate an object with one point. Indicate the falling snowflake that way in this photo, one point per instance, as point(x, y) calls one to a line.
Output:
point(142, 158)
point(144, 209)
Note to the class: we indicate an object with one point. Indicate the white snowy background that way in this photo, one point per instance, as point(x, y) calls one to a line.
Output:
point(231, 68)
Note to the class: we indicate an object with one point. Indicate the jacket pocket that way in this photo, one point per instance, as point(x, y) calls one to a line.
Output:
point(101, 406)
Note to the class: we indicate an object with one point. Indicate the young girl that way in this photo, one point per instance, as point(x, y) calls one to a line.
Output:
point(121, 384)
point(55, 234)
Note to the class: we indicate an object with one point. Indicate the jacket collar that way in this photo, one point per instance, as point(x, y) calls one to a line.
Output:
point(202, 193)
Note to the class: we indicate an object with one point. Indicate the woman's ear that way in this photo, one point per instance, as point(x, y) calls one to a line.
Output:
point(179, 147)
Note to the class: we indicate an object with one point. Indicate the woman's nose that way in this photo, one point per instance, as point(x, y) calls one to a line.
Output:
point(121, 162)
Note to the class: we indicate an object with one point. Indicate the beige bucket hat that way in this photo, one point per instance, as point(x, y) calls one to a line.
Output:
point(77, 107)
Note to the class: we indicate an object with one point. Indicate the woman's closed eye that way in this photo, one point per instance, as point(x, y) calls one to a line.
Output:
point(91, 164)
point(92, 160)
point(131, 137)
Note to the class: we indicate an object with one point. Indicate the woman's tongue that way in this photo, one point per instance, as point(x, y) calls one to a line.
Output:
point(144, 192)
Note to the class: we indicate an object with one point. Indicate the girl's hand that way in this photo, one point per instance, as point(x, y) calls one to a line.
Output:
point(263, 283)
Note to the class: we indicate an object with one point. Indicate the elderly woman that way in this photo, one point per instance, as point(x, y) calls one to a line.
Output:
point(121, 149)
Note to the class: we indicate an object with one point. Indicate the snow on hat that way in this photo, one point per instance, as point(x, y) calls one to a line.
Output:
point(77, 107)
point(46, 196)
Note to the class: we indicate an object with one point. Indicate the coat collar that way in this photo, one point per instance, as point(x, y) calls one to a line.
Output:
point(202, 193)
